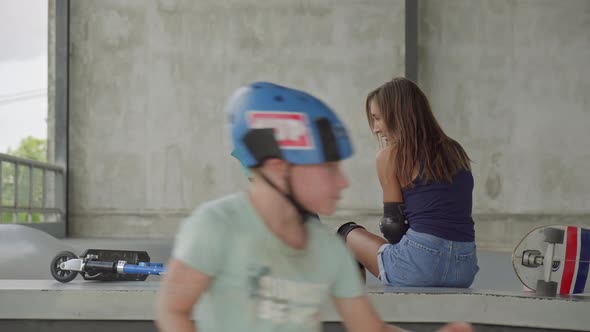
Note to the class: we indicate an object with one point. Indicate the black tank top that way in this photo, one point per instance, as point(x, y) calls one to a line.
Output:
point(442, 209)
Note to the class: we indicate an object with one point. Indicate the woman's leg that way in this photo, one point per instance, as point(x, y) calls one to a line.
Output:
point(363, 272)
point(364, 246)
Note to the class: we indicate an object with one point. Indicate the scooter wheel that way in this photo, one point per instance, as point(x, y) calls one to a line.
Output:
point(62, 275)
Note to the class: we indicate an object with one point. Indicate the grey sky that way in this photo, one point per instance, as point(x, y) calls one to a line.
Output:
point(23, 29)
point(23, 71)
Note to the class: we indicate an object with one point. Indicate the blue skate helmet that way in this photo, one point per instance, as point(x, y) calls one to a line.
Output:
point(238, 155)
point(273, 121)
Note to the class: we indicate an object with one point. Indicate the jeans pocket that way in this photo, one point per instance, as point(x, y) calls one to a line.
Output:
point(465, 269)
point(421, 263)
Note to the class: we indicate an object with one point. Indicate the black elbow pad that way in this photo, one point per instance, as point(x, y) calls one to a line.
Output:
point(393, 224)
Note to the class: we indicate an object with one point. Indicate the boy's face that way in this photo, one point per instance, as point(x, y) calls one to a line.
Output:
point(318, 187)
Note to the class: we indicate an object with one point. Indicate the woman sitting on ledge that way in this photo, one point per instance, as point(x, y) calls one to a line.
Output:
point(428, 233)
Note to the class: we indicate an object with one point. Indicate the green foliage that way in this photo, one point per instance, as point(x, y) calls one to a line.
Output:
point(29, 148)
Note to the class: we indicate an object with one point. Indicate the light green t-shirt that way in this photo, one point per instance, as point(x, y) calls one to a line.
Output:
point(258, 282)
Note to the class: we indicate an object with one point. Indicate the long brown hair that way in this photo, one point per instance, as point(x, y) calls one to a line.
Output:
point(408, 117)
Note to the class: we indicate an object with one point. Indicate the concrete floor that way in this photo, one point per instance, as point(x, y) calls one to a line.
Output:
point(496, 271)
point(26, 253)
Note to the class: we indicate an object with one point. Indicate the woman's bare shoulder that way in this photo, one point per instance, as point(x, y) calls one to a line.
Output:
point(386, 172)
point(386, 155)
point(385, 162)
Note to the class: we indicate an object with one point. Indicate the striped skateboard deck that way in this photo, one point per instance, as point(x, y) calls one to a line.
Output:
point(554, 259)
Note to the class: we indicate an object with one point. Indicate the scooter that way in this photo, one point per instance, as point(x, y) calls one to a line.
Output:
point(104, 265)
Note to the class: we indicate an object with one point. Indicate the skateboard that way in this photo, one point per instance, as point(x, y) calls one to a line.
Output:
point(104, 265)
point(554, 259)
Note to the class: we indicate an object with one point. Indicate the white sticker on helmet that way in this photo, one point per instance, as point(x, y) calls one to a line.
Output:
point(291, 128)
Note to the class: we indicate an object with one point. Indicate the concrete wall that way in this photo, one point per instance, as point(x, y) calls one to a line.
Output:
point(148, 84)
point(510, 80)
point(506, 78)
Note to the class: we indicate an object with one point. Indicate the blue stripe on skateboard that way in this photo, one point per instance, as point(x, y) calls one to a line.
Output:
point(584, 261)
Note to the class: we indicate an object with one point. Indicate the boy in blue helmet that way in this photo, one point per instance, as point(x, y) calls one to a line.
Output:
point(250, 259)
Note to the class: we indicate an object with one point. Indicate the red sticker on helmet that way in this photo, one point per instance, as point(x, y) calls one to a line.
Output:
point(291, 129)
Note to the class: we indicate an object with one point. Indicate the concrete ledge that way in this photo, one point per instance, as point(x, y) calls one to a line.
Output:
point(481, 307)
point(493, 231)
point(132, 301)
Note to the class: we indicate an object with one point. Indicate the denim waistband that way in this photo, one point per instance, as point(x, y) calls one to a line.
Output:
point(435, 241)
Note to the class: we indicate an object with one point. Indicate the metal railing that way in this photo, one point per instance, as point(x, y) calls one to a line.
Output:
point(31, 191)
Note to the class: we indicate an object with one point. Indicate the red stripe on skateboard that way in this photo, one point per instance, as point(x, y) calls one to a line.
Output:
point(571, 252)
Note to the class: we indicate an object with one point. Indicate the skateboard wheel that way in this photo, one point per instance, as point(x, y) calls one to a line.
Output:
point(546, 288)
point(554, 235)
point(57, 273)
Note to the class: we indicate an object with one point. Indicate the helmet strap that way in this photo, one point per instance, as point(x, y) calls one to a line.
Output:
point(304, 214)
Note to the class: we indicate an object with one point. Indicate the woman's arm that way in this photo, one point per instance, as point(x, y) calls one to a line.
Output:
point(386, 171)
point(182, 286)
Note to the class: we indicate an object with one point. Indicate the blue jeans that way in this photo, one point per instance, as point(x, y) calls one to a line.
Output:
point(424, 260)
